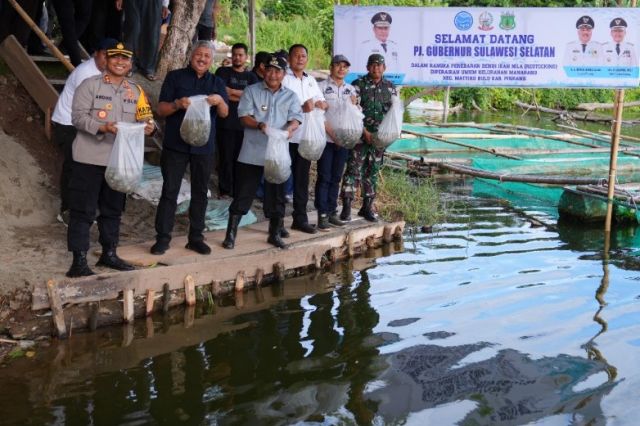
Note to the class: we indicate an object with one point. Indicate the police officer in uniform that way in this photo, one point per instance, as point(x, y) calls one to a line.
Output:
point(381, 44)
point(583, 51)
point(98, 104)
point(619, 52)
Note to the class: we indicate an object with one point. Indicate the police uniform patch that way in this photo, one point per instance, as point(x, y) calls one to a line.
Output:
point(108, 107)
point(263, 107)
point(102, 114)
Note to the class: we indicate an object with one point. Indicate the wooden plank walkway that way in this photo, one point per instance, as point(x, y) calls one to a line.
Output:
point(251, 261)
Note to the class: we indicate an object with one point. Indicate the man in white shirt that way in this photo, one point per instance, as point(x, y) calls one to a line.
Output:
point(619, 53)
point(380, 43)
point(63, 131)
point(583, 51)
point(310, 97)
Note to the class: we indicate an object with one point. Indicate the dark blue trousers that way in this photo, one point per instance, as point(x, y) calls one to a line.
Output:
point(330, 169)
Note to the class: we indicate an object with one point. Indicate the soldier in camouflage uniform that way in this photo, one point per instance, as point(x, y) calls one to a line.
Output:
point(365, 160)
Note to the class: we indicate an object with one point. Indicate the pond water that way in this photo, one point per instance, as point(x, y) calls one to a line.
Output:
point(500, 316)
point(494, 318)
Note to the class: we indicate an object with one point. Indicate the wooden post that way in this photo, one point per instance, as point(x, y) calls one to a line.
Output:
point(397, 234)
point(151, 294)
point(189, 291)
point(349, 242)
point(128, 311)
point(56, 309)
point(259, 277)
point(189, 316)
point(613, 160)
point(93, 317)
point(252, 28)
point(370, 241)
point(150, 327)
point(216, 288)
point(278, 271)
point(239, 285)
point(166, 298)
point(387, 234)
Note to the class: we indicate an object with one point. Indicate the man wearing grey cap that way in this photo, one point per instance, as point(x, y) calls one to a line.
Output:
point(619, 53)
point(380, 43)
point(583, 51)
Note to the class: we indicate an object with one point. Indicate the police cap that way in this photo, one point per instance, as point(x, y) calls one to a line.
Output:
point(275, 61)
point(118, 48)
point(375, 58)
point(381, 19)
point(618, 23)
point(585, 21)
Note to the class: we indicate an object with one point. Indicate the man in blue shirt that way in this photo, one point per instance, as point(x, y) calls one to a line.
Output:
point(178, 86)
point(263, 105)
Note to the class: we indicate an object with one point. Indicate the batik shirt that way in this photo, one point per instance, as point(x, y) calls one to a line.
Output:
point(375, 100)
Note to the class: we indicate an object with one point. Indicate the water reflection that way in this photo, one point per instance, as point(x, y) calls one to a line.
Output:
point(489, 320)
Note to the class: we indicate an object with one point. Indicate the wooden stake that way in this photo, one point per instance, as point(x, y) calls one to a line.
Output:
point(370, 241)
point(93, 317)
point(349, 242)
point(151, 295)
point(189, 316)
point(150, 327)
point(317, 262)
point(166, 298)
point(56, 309)
point(259, 277)
point(397, 235)
point(239, 285)
point(387, 234)
point(189, 291)
point(278, 271)
point(613, 160)
point(128, 306)
point(128, 333)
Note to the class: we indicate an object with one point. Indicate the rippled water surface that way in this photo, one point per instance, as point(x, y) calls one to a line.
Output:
point(493, 318)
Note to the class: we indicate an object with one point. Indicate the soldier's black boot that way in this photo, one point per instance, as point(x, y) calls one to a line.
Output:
point(346, 209)
point(110, 259)
point(275, 224)
point(283, 231)
point(232, 230)
point(79, 267)
point(367, 210)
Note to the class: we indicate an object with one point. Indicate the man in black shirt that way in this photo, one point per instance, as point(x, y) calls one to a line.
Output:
point(258, 64)
point(230, 131)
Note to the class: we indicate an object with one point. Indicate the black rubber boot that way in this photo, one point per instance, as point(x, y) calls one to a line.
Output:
point(335, 220)
point(346, 209)
point(323, 222)
point(283, 231)
point(232, 230)
point(275, 223)
point(367, 210)
point(79, 267)
point(110, 259)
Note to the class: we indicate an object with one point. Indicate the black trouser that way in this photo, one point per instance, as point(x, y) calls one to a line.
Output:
point(106, 21)
point(12, 23)
point(300, 172)
point(174, 165)
point(142, 21)
point(229, 145)
point(330, 168)
point(246, 183)
point(88, 191)
point(73, 17)
point(64, 136)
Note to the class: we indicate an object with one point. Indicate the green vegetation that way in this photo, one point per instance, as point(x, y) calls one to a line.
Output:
point(414, 200)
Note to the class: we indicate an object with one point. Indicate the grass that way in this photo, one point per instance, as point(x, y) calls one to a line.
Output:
point(414, 200)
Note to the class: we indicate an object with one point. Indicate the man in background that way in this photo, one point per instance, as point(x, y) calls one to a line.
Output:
point(583, 51)
point(619, 53)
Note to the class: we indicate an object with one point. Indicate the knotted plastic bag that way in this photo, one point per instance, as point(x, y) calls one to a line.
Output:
point(277, 161)
point(314, 137)
point(196, 125)
point(124, 170)
point(391, 126)
point(345, 119)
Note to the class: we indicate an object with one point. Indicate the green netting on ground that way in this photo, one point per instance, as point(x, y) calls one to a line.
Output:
point(523, 195)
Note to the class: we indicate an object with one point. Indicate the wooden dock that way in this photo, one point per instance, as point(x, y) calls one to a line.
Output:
point(252, 262)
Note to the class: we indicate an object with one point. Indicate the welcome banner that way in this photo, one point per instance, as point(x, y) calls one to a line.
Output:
point(522, 47)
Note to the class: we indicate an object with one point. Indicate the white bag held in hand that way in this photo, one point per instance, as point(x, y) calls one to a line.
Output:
point(345, 119)
point(124, 170)
point(391, 126)
point(314, 137)
point(277, 161)
point(196, 125)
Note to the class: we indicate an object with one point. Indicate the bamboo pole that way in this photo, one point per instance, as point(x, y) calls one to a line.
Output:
point(252, 28)
point(445, 110)
point(443, 140)
point(52, 47)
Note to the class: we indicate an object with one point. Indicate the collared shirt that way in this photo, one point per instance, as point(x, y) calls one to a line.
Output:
point(185, 82)
point(234, 80)
point(97, 101)
point(619, 54)
point(577, 54)
point(62, 112)
point(305, 88)
point(334, 94)
point(275, 109)
point(375, 99)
